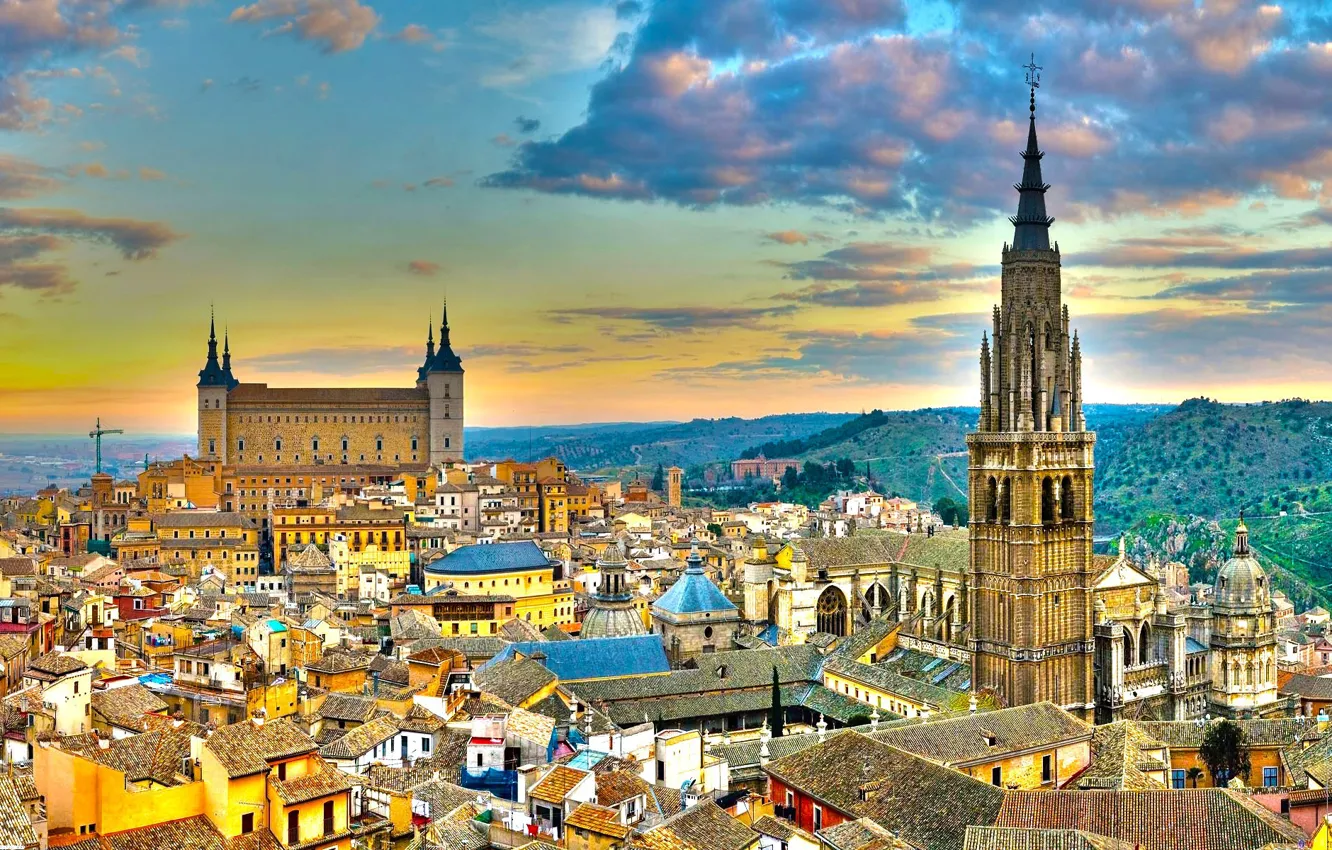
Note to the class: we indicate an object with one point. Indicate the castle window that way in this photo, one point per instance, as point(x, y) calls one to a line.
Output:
point(446, 390)
point(277, 444)
point(240, 444)
point(345, 441)
point(446, 442)
point(314, 444)
point(379, 444)
point(446, 411)
point(212, 447)
point(413, 444)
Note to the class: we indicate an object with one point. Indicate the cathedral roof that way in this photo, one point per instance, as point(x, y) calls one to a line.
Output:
point(1241, 584)
point(1122, 573)
point(694, 592)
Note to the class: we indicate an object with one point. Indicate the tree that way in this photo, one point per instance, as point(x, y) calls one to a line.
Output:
point(1194, 774)
point(790, 478)
point(715, 530)
point(659, 478)
point(1225, 751)
point(776, 717)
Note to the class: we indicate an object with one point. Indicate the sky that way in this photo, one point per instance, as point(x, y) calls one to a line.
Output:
point(647, 211)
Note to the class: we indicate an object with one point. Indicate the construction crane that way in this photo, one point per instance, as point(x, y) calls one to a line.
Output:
point(96, 434)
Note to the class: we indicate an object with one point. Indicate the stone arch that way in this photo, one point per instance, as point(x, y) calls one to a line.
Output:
point(1129, 648)
point(1066, 508)
point(831, 611)
point(1145, 652)
point(992, 500)
point(877, 597)
point(1047, 500)
point(1006, 502)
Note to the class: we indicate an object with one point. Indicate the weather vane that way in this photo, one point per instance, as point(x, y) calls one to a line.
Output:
point(1033, 80)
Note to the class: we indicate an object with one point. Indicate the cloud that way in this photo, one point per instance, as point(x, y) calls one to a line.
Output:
point(414, 34)
point(342, 360)
point(136, 240)
point(23, 178)
point(438, 183)
point(146, 173)
point(548, 40)
point(527, 126)
point(336, 26)
point(503, 140)
point(842, 105)
point(423, 267)
point(795, 237)
point(680, 318)
point(129, 53)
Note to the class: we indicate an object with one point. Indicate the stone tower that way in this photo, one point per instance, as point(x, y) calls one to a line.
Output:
point(674, 479)
point(214, 383)
point(1030, 477)
point(444, 382)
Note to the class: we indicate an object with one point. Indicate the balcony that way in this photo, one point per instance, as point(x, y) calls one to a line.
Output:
point(1146, 675)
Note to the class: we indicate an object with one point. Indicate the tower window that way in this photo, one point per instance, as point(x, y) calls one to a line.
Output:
point(446, 411)
point(212, 447)
point(413, 444)
point(240, 445)
point(446, 442)
point(345, 441)
point(314, 444)
point(379, 444)
point(277, 444)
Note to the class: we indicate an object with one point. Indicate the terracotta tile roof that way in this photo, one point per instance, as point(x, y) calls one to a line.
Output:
point(926, 804)
point(340, 706)
point(531, 726)
point(56, 664)
point(1121, 756)
point(722, 671)
point(1260, 733)
point(155, 755)
point(557, 783)
point(245, 748)
point(15, 828)
point(987, 735)
point(705, 826)
point(21, 566)
point(513, 680)
point(339, 661)
point(442, 797)
point(1008, 838)
point(125, 706)
point(323, 780)
point(598, 819)
point(204, 519)
point(419, 719)
point(861, 834)
point(1202, 819)
point(362, 739)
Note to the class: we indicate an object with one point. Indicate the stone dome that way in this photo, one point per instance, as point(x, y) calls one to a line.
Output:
point(1241, 584)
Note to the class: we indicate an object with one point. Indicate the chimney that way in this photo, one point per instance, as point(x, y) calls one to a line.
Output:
point(258, 718)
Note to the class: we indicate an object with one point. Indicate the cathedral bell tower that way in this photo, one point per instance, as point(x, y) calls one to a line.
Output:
point(1030, 476)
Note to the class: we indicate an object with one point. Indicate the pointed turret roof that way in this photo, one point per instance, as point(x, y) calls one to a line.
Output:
point(212, 374)
point(1031, 226)
point(232, 383)
point(445, 360)
point(430, 352)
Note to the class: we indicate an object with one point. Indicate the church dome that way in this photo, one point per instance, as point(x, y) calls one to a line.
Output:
point(1241, 584)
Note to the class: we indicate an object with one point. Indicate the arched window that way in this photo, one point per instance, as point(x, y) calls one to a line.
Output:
point(413, 443)
point(1129, 654)
point(1145, 644)
point(379, 444)
point(1066, 498)
point(1006, 503)
point(345, 443)
point(1047, 501)
point(992, 500)
point(277, 444)
point(314, 444)
point(832, 612)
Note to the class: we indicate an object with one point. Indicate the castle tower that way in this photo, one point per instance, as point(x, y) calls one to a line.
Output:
point(214, 383)
point(1030, 476)
point(1243, 644)
point(674, 480)
point(444, 383)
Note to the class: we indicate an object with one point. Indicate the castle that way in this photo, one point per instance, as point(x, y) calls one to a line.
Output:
point(242, 424)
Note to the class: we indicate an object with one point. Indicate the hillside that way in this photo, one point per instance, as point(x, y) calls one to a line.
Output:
point(1209, 459)
point(644, 445)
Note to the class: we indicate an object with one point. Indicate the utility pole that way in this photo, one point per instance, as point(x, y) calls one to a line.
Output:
point(96, 434)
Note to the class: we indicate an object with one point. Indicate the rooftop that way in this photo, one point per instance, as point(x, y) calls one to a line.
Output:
point(486, 558)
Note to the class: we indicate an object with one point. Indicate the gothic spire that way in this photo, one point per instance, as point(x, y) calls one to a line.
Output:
point(212, 374)
point(1031, 226)
point(226, 358)
point(444, 359)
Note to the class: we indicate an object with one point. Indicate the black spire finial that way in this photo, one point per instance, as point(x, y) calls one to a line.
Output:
point(212, 374)
point(1031, 226)
point(1033, 80)
point(212, 324)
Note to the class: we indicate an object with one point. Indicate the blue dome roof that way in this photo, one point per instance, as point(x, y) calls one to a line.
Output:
point(482, 558)
point(694, 593)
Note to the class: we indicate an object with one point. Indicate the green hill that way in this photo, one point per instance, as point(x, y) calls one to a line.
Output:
point(1209, 459)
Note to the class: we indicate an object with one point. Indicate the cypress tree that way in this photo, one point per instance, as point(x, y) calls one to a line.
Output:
point(776, 719)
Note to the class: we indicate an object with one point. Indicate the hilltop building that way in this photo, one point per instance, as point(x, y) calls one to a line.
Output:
point(257, 425)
